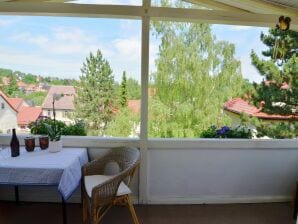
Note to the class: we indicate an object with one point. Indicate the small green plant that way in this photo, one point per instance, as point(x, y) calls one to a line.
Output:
point(53, 128)
point(53, 132)
point(240, 131)
point(41, 127)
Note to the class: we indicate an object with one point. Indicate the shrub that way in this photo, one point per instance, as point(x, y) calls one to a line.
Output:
point(227, 132)
point(39, 127)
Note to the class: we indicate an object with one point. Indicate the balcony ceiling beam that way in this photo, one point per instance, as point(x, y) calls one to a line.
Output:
point(260, 7)
point(219, 17)
point(137, 12)
point(214, 5)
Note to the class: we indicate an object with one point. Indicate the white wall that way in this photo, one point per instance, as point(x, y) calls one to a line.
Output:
point(217, 174)
point(60, 115)
point(8, 117)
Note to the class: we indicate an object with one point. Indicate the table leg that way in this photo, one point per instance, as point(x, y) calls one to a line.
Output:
point(64, 213)
point(16, 194)
point(296, 203)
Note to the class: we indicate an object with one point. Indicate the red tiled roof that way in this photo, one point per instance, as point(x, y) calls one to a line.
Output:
point(7, 100)
point(27, 115)
point(239, 105)
point(65, 103)
point(16, 103)
point(134, 106)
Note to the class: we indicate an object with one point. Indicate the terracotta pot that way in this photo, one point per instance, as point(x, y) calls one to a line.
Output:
point(30, 144)
point(43, 142)
point(55, 146)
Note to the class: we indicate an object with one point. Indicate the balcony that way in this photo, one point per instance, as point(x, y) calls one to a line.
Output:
point(183, 181)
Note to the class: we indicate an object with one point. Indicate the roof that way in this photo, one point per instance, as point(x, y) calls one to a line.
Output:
point(7, 101)
point(27, 115)
point(233, 12)
point(134, 106)
point(65, 102)
point(239, 105)
point(16, 103)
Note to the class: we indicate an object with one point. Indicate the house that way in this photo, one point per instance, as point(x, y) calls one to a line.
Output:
point(237, 106)
point(63, 107)
point(16, 113)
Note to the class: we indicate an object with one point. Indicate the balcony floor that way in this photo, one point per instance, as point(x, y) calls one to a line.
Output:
point(50, 213)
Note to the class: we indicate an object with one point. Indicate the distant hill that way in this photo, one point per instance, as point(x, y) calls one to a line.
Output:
point(34, 79)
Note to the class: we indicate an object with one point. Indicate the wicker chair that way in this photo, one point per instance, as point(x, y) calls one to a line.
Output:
point(101, 190)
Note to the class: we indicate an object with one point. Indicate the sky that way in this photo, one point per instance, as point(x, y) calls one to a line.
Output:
point(58, 46)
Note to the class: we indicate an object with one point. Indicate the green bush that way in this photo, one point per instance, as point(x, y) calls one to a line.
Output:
point(278, 130)
point(75, 129)
point(39, 127)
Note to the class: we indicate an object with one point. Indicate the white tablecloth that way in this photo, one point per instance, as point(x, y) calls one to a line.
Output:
point(41, 167)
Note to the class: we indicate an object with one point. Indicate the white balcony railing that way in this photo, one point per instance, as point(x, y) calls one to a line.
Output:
point(191, 171)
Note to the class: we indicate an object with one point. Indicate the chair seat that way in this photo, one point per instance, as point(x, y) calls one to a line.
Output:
point(94, 180)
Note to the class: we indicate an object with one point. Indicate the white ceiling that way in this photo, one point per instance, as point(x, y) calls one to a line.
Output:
point(287, 3)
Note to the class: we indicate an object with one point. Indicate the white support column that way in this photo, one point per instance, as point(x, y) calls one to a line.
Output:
point(143, 184)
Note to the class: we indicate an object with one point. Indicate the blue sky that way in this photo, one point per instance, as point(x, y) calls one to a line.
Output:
point(57, 46)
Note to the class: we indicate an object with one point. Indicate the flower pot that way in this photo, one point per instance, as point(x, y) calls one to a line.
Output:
point(55, 146)
point(30, 144)
point(43, 142)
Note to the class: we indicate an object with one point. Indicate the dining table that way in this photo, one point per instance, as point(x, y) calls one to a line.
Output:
point(42, 168)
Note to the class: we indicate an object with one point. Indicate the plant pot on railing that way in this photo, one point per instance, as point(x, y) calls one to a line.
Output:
point(55, 146)
point(55, 142)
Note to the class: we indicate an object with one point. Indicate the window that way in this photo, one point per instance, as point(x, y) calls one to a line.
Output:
point(60, 53)
point(201, 77)
point(2, 106)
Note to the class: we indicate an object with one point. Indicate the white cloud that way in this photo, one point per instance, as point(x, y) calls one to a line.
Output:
point(60, 40)
point(248, 70)
point(26, 37)
point(62, 50)
point(240, 28)
point(4, 22)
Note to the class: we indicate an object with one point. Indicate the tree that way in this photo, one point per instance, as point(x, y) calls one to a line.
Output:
point(123, 97)
point(94, 101)
point(279, 89)
point(30, 79)
point(12, 89)
point(133, 89)
point(195, 76)
point(124, 124)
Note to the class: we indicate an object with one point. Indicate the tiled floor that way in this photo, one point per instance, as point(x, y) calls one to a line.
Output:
point(47, 213)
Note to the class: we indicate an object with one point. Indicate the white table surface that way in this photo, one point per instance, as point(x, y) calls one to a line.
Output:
point(41, 167)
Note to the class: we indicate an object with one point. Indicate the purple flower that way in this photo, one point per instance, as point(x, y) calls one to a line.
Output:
point(223, 130)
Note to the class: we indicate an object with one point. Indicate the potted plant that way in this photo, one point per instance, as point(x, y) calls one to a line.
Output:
point(54, 133)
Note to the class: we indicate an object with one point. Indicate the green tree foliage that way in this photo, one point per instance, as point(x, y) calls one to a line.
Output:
point(123, 97)
point(133, 89)
point(124, 124)
point(36, 97)
point(94, 101)
point(195, 75)
point(5, 72)
point(279, 89)
point(277, 73)
point(29, 79)
point(12, 89)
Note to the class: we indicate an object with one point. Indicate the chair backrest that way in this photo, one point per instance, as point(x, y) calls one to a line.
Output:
point(124, 157)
